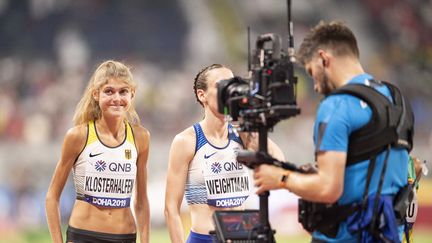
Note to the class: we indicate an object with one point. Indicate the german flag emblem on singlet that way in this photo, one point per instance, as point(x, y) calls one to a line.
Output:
point(128, 153)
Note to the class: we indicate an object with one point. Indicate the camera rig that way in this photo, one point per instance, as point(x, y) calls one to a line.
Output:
point(268, 96)
point(257, 103)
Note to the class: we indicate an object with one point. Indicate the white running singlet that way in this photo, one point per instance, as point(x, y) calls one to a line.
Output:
point(215, 177)
point(105, 176)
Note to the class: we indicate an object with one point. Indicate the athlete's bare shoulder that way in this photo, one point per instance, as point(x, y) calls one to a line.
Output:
point(140, 132)
point(184, 142)
point(77, 133)
point(142, 137)
point(76, 138)
point(187, 135)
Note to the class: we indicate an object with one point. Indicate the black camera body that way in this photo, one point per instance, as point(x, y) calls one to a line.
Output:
point(256, 104)
point(268, 95)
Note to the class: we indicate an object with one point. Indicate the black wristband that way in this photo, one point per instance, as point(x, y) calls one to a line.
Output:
point(283, 179)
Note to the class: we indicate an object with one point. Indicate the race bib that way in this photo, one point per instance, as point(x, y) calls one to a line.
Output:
point(109, 184)
point(227, 183)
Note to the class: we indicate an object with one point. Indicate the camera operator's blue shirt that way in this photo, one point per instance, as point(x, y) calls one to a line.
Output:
point(337, 117)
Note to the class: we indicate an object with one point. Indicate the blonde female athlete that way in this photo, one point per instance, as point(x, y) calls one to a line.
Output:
point(203, 167)
point(107, 152)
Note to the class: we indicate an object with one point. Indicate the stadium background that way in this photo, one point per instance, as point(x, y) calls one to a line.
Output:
point(49, 48)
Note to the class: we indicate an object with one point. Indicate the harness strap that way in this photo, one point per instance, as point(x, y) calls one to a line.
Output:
point(370, 170)
point(373, 225)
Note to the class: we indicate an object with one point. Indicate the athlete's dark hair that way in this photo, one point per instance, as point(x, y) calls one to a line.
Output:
point(334, 36)
point(201, 79)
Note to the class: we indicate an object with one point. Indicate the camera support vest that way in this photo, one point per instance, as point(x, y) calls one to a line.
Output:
point(392, 123)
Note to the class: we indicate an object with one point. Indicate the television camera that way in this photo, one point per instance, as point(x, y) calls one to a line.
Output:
point(256, 104)
point(268, 96)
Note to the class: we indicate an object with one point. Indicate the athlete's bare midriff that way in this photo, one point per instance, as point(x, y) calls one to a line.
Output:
point(102, 219)
point(201, 217)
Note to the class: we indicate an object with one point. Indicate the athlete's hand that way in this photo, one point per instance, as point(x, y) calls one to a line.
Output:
point(268, 177)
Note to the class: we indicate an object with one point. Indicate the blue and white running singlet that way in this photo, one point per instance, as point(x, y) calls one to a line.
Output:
point(103, 175)
point(215, 177)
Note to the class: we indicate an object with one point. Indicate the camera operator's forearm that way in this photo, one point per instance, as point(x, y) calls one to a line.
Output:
point(311, 187)
point(324, 186)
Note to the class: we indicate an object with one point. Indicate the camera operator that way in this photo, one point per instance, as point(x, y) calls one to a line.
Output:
point(203, 167)
point(330, 55)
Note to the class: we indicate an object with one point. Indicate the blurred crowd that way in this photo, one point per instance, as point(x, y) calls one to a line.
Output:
point(404, 29)
point(48, 50)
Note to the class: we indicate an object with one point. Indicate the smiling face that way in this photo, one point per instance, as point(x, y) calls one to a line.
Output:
point(114, 98)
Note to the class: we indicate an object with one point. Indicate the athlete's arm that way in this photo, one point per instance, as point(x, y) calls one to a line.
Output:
point(181, 153)
point(324, 186)
point(251, 143)
point(275, 151)
point(72, 145)
point(141, 203)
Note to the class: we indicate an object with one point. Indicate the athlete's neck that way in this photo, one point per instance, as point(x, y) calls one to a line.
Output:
point(114, 127)
point(215, 127)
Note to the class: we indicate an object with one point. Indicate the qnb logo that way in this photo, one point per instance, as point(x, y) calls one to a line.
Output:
point(230, 166)
point(120, 167)
point(216, 167)
point(100, 165)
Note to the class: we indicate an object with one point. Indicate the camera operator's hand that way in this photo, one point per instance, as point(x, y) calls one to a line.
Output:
point(268, 177)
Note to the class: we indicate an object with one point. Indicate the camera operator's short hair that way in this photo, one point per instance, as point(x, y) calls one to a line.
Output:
point(200, 81)
point(334, 36)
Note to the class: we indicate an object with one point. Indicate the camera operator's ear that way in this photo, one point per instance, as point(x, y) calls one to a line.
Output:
point(324, 57)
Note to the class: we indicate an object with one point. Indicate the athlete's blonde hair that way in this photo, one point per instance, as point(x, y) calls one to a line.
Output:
point(88, 108)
